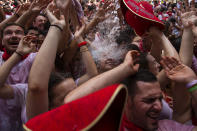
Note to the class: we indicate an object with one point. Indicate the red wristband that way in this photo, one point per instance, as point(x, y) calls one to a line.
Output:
point(82, 44)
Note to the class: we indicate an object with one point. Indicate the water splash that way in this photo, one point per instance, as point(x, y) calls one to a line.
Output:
point(104, 46)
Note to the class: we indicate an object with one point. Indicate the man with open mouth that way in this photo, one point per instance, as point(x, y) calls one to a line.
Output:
point(11, 35)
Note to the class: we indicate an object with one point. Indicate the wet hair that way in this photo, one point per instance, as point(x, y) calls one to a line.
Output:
point(143, 61)
point(11, 24)
point(55, 79)
point(142, 75)
point(127, 35)
point(132, 47)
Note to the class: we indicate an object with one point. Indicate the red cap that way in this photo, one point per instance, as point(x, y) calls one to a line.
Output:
point(101, 110)
point(140, 16)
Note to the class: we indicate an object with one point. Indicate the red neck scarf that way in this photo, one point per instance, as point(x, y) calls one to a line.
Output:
point(127, 125)
point(6, 56)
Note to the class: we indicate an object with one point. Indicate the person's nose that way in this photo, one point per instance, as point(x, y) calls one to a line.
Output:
point(14, 35)
point(157, 105)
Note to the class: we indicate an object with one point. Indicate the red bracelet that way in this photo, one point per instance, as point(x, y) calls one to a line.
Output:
point(82, 44)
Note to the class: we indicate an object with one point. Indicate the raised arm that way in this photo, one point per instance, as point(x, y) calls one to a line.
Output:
point(100, 16)
point(156, 48)
point(37, 97)
point(11, 19)
point(188, 19)
point(33, 10)
point(168, 49)
point(181, 74)
point(113, 76)
point(25, 47)
point(91, 69)
point(67, 34)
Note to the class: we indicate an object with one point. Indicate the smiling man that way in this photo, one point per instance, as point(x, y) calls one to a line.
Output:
point(11, 35)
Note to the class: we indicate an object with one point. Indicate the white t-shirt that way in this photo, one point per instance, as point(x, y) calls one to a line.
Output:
point(13, 111)
point(20, 72)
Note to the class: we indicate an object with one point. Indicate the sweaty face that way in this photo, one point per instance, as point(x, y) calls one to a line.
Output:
point(146, 105)
point(61, 90)
point(40, 22)
point(107, 64)
point(11, 37)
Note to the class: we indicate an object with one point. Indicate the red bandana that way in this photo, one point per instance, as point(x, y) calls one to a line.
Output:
point(6, 56)
point(126, 125)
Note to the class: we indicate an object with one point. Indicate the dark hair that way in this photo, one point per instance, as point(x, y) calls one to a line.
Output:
point(10, 24)
point(132, 47)
point(142, 75)
point(41, 15)
point(143, 62)
point(172, 20)
point(31, 28)
point(125, 36)
point(54, 79)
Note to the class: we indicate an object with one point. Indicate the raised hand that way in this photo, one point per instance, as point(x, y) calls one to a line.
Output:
point(38, 5)
point(26, 45)
point(63, 5)
point(24, 7)
point(103, 9)
point(176, 71)
point(52, 15)
point(188, 15)
point(131, 60)
point(79, 32)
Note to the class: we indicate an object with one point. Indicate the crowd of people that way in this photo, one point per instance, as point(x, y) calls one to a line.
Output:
point(56, 53)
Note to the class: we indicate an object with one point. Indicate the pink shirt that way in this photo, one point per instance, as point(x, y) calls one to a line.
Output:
point(170, 125)
point(20, 72)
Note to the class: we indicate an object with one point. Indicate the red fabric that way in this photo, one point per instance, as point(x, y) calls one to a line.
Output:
point(8, 13)
point(78, 114)
point(82, 44)
point(169, 13)
point(140, 16)
point(141, 46)
point(147, 6)
point(126, 125)
point(6, 56)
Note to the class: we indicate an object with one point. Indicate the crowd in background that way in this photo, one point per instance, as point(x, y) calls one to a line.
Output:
point(54, 52)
